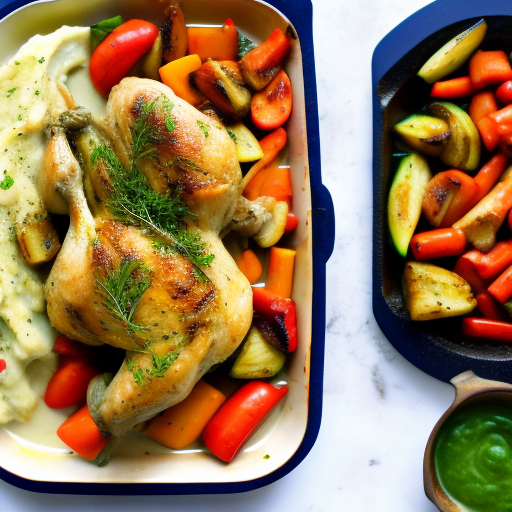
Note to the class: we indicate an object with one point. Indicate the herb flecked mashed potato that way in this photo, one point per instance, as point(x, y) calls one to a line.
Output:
point(30, 83)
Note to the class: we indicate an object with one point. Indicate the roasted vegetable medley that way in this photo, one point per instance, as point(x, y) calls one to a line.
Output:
point(449, 204)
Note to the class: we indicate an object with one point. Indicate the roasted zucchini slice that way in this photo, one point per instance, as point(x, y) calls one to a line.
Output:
point(257, 359)
point(405, 199)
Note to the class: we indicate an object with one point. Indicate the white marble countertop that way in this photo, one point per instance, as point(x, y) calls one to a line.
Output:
point(378, 409)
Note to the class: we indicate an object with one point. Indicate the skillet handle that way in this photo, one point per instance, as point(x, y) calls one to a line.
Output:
point(323, 224)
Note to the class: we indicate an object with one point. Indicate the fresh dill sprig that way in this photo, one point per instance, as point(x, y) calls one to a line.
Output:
point(145, 132)
point(134, 201)
point(161, 364)
point(123, 288)
point(204, 128)
point(159, 367)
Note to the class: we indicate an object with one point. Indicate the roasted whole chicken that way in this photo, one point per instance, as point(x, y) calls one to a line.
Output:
point(142, 267)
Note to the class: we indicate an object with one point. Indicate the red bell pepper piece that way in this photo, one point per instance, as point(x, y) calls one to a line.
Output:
point(81, 434)
point(3, 365)
point(438, 243)
point(68, 347)
point(234, 422)
point(279, 311)
point(118, 53)
point(486, 328)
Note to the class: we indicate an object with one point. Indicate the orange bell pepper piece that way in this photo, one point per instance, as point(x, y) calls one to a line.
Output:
point(217, 43)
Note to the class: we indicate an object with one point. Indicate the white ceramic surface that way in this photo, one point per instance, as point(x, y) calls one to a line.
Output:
point(378, 409)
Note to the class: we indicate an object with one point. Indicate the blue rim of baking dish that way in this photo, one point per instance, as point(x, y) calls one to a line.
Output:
point(299, 13)
point(408, 337)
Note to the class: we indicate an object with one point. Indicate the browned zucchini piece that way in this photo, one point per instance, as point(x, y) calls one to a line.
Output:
point(174, 34)
point(221, 82)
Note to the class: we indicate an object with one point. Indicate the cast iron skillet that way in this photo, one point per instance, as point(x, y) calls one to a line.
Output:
point(437, 347)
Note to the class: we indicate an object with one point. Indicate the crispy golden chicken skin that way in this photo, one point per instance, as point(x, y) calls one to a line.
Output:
point(142, 266)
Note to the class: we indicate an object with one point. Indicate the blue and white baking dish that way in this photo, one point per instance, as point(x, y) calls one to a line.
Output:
point(287, 436)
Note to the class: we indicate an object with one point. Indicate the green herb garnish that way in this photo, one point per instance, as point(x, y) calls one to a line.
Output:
point(145, 134)
point(204, 128)
point(41, 60)
point(10, 92)
point(138, 377)
point(231, 134)
point(245, 45)
point(6, 183)
point(135, 202)
point(161, 364)
point(123, 288)
point(101, 30)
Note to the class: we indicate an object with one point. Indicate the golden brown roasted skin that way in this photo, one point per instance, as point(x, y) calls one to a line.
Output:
point(197, 320)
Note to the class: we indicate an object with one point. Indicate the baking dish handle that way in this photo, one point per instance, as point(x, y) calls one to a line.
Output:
point(323, 224)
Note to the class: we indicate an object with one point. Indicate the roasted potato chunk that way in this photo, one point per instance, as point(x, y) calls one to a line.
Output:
point(433, 292)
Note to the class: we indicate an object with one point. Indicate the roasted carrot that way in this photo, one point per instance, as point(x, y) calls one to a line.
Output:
point(489, 67)
point(438, 243)
point(217, 43)
point(68, 385)
point(501, 288)
point(273, 182)
point(250, 265)
point(454, 88)
point(261, 64)
point(465, 268)
point(491, 264)
point(182, 424)
point(272, 107)
point(489, 132)
point(482, 104)
point(291, 222)
point(503, 119)
point(489, 307)
point(270, 145)
point(482, 222)
point(280, 271)
point(81, 434)
point(487, 328)
point(488, 175)
point(175, 75)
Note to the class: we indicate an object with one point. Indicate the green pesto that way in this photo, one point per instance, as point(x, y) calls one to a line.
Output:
point(473, 457)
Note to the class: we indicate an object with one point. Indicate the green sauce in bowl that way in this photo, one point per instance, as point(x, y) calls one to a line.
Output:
point(473, 457)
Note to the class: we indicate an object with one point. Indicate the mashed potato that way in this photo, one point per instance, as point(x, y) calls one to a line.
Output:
point(30, 85)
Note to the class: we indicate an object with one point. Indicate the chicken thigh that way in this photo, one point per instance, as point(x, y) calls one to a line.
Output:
point(142, 267)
